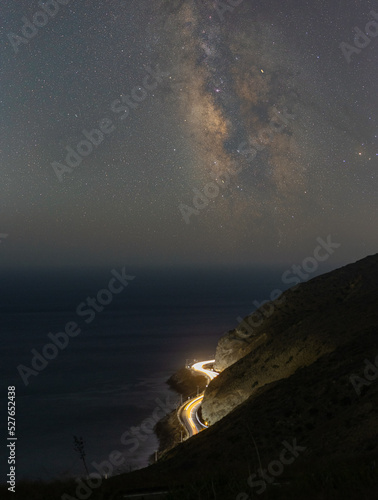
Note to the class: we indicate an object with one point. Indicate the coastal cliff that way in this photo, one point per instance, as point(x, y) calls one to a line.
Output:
point(304, 324)
point(303, 373)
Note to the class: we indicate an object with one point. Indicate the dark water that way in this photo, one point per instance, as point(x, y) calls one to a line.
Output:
point(109, 377)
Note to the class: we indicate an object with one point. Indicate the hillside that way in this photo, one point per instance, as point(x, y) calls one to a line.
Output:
point(300, 327)
point(295, 381)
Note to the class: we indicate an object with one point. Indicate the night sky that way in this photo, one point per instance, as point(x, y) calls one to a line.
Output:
point(182, 95)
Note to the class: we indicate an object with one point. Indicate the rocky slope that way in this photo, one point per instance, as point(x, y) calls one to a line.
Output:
point(331, 419)
point(303, 325)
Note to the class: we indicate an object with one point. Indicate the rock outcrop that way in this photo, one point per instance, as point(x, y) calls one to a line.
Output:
point(187, 382)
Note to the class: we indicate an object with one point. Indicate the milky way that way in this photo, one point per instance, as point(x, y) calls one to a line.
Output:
point(262, 131)
point(232, 74)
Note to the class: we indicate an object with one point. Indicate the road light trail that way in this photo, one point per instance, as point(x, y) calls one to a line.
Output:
point(189, 417)
point(199, 367)
point(189, 410)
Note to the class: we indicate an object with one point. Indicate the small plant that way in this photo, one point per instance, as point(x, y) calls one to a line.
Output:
point(79, 448)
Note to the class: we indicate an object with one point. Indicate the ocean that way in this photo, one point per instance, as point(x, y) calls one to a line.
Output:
point(112, 375)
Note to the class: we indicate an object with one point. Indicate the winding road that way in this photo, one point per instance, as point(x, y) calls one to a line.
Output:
point(188, 411)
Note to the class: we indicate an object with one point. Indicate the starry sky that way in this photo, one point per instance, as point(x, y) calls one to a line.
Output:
point(191, 132)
